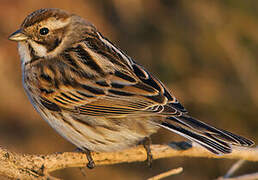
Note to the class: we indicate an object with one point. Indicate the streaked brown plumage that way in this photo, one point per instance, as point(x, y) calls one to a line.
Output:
point(95, 95)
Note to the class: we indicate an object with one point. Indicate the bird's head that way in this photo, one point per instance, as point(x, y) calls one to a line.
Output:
point(50, 31)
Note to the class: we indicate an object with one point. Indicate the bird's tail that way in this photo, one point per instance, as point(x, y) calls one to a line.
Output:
point(215, 140)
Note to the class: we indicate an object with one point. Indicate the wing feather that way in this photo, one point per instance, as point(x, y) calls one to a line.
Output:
point(90, 86)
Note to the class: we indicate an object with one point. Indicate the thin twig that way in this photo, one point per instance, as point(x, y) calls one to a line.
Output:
point(167, 174)
point(253, 176)
point(234, 168)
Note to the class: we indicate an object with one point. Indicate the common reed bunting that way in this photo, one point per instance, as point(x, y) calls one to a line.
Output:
point(95, 95)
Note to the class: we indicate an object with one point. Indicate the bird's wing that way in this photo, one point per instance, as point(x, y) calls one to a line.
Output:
point(128, 94)
point(99, 79)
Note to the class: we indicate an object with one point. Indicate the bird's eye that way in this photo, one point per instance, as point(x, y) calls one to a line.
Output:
point(44, 31)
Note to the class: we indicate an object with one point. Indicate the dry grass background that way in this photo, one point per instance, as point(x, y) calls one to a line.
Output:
point(205, 51)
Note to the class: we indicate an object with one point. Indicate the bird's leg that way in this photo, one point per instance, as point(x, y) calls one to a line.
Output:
point(146, 144)
point(91, 163)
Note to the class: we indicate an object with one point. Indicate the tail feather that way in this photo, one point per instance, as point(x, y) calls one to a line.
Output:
point(202, 127)
point(242, 141)
point(215, 140)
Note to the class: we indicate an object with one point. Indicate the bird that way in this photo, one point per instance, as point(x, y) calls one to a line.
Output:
point(95, 95)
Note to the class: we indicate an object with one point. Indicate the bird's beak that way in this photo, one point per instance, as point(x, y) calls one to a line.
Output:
point(18, 36)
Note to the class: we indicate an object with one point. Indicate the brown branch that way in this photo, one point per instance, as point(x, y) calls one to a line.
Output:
point(18, 166)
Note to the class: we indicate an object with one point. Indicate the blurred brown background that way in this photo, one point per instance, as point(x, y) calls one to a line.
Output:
point(204, 51)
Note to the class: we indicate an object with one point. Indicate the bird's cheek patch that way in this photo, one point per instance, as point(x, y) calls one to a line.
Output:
point(39, 49)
